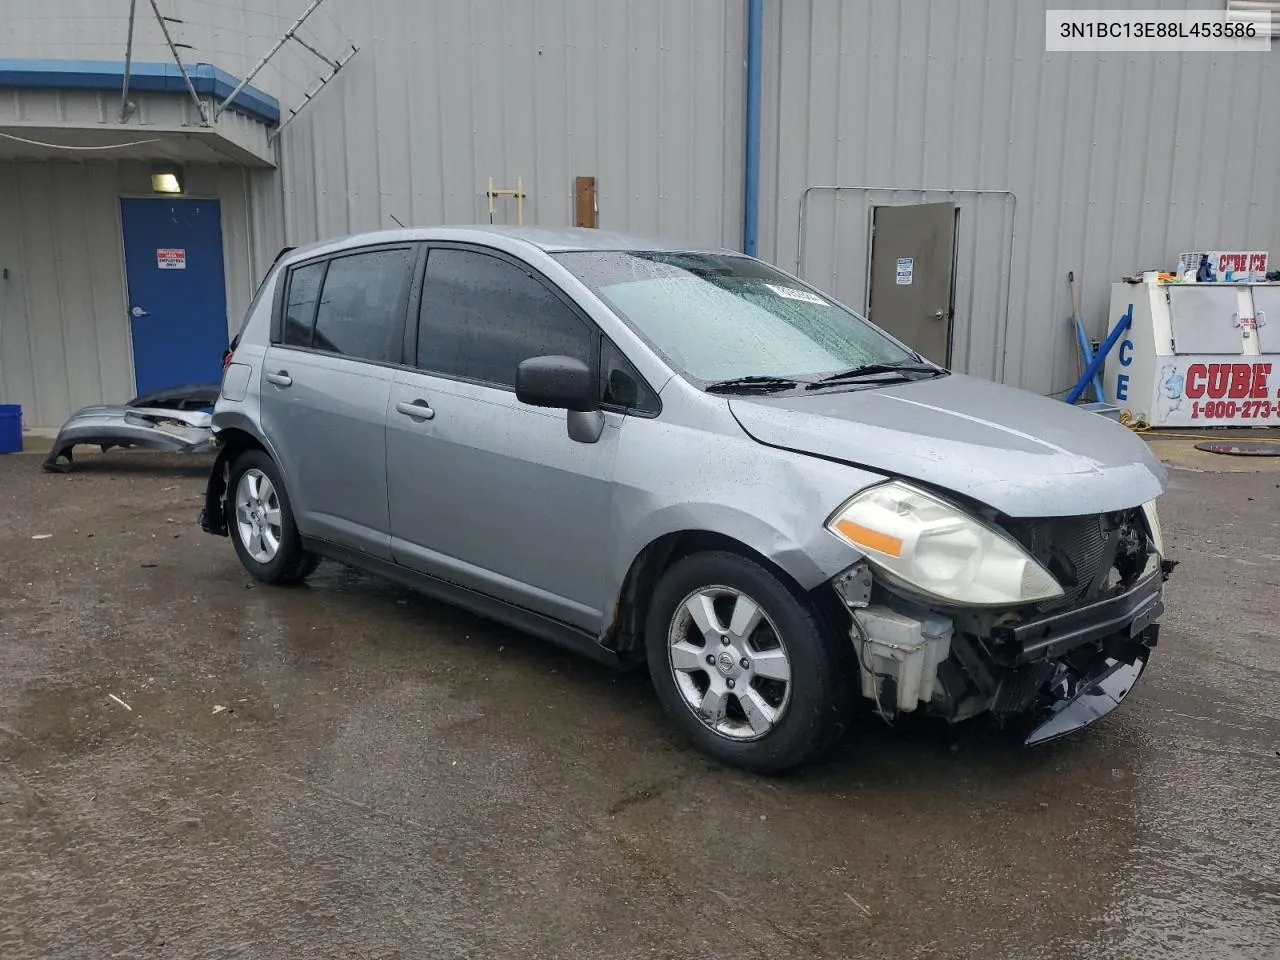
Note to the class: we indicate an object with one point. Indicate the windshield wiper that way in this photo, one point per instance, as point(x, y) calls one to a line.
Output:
point(754, 383)
point(876, 370)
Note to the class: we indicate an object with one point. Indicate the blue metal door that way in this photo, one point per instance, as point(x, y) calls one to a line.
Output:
point(177, 295)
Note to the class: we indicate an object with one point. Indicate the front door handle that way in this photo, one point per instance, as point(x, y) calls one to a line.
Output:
point(137, 312)
point(280, 378)
point(418, 410)
point(939, 314)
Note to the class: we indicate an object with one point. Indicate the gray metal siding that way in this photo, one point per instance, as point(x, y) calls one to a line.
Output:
point(64, 337)
point(64, 327)
point(645, 96)
point(1118, 162)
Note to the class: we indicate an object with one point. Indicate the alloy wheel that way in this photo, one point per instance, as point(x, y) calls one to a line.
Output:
point(258, 518)
point(729, 662)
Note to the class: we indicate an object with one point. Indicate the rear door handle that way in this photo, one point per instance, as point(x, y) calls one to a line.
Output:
point(418, 409)
point(280, 378)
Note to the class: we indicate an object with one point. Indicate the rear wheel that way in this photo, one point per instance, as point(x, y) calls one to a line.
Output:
point(261, 522)
point(744, 665)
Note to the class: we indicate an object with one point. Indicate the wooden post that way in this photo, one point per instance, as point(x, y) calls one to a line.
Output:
point(585, 211)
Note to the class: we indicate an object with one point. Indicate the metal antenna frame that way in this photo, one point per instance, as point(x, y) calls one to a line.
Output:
point(283, 39)
point(126, 108)
point(204, 113)
point(342, 62)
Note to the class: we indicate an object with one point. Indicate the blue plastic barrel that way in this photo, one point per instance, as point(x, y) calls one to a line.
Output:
point(10, 428)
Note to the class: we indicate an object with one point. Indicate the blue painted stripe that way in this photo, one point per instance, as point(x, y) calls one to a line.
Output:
point(209, 81)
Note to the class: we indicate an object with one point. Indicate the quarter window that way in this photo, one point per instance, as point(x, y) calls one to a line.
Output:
point(361, 308)
point(620, 385)
point(300, 308)
point(482, 316)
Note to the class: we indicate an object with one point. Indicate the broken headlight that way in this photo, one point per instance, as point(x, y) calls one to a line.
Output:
point(1153, 526)
point(934, 548)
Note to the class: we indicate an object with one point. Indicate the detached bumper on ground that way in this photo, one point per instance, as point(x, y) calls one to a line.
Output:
point(174, 420)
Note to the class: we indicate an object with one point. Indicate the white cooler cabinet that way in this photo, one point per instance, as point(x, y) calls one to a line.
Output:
point(1197, 354)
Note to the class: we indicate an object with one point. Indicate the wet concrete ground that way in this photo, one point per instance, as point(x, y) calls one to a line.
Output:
point(391, 778)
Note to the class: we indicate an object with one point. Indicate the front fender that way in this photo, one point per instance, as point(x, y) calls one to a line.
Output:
point(808, 560)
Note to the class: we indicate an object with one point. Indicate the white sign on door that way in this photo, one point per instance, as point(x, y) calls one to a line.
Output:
point(171, 258)
point(906, 267)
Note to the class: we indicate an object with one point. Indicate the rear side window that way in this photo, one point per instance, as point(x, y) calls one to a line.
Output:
point(482, 316)
point(300, 305)
point(362, 305)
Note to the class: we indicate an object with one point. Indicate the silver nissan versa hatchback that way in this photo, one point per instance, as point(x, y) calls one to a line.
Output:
point(688, 458)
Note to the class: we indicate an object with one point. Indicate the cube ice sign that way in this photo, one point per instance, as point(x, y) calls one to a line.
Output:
point(1244, 265)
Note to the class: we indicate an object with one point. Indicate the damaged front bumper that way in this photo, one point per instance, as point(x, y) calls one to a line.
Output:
point(1046, 675)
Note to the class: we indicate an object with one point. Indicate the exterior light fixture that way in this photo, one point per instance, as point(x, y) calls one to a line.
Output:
point(166, 178)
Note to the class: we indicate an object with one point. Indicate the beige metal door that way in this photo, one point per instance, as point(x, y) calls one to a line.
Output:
point(913, 253)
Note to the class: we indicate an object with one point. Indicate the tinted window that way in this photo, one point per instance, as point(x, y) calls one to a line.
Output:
point(300, 307)
point(362, 306)
point(482, 316)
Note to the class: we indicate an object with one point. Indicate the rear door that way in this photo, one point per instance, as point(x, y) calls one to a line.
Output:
point(487, 492)
point(326, 383)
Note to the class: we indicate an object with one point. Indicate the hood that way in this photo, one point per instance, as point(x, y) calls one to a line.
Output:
point(1023, 454)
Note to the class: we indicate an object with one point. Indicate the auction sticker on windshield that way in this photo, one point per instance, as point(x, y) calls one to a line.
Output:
point(804, 296)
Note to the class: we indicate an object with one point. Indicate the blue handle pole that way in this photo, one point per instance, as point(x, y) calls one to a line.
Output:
point(1096, 363)
point(1086, 351)
point(751, 162)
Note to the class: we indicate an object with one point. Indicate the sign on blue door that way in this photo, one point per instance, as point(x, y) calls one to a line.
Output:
point(177, 293)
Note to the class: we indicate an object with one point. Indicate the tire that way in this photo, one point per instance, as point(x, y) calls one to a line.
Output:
point(288, 562)
point(805, 717)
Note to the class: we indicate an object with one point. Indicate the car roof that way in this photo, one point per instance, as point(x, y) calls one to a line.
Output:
point(547, 239)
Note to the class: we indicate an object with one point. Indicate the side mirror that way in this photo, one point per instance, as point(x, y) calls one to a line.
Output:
point(563, 383)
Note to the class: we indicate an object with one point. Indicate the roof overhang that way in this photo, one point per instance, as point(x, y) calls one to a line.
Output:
point(71, 108)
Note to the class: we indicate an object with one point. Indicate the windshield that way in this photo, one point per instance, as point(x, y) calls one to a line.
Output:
point(719, 316)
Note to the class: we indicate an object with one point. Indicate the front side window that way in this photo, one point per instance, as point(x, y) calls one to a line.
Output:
point(361, 307)
point(718, 316)
point(481, 316)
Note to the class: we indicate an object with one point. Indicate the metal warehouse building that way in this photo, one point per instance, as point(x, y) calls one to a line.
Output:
point(943, 124)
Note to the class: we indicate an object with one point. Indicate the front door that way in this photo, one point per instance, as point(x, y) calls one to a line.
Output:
point(913, 252)
point(176, 290)
point(487, 492)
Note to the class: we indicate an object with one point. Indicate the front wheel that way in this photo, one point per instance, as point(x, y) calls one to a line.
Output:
point(261, 522)
point(743, 664)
